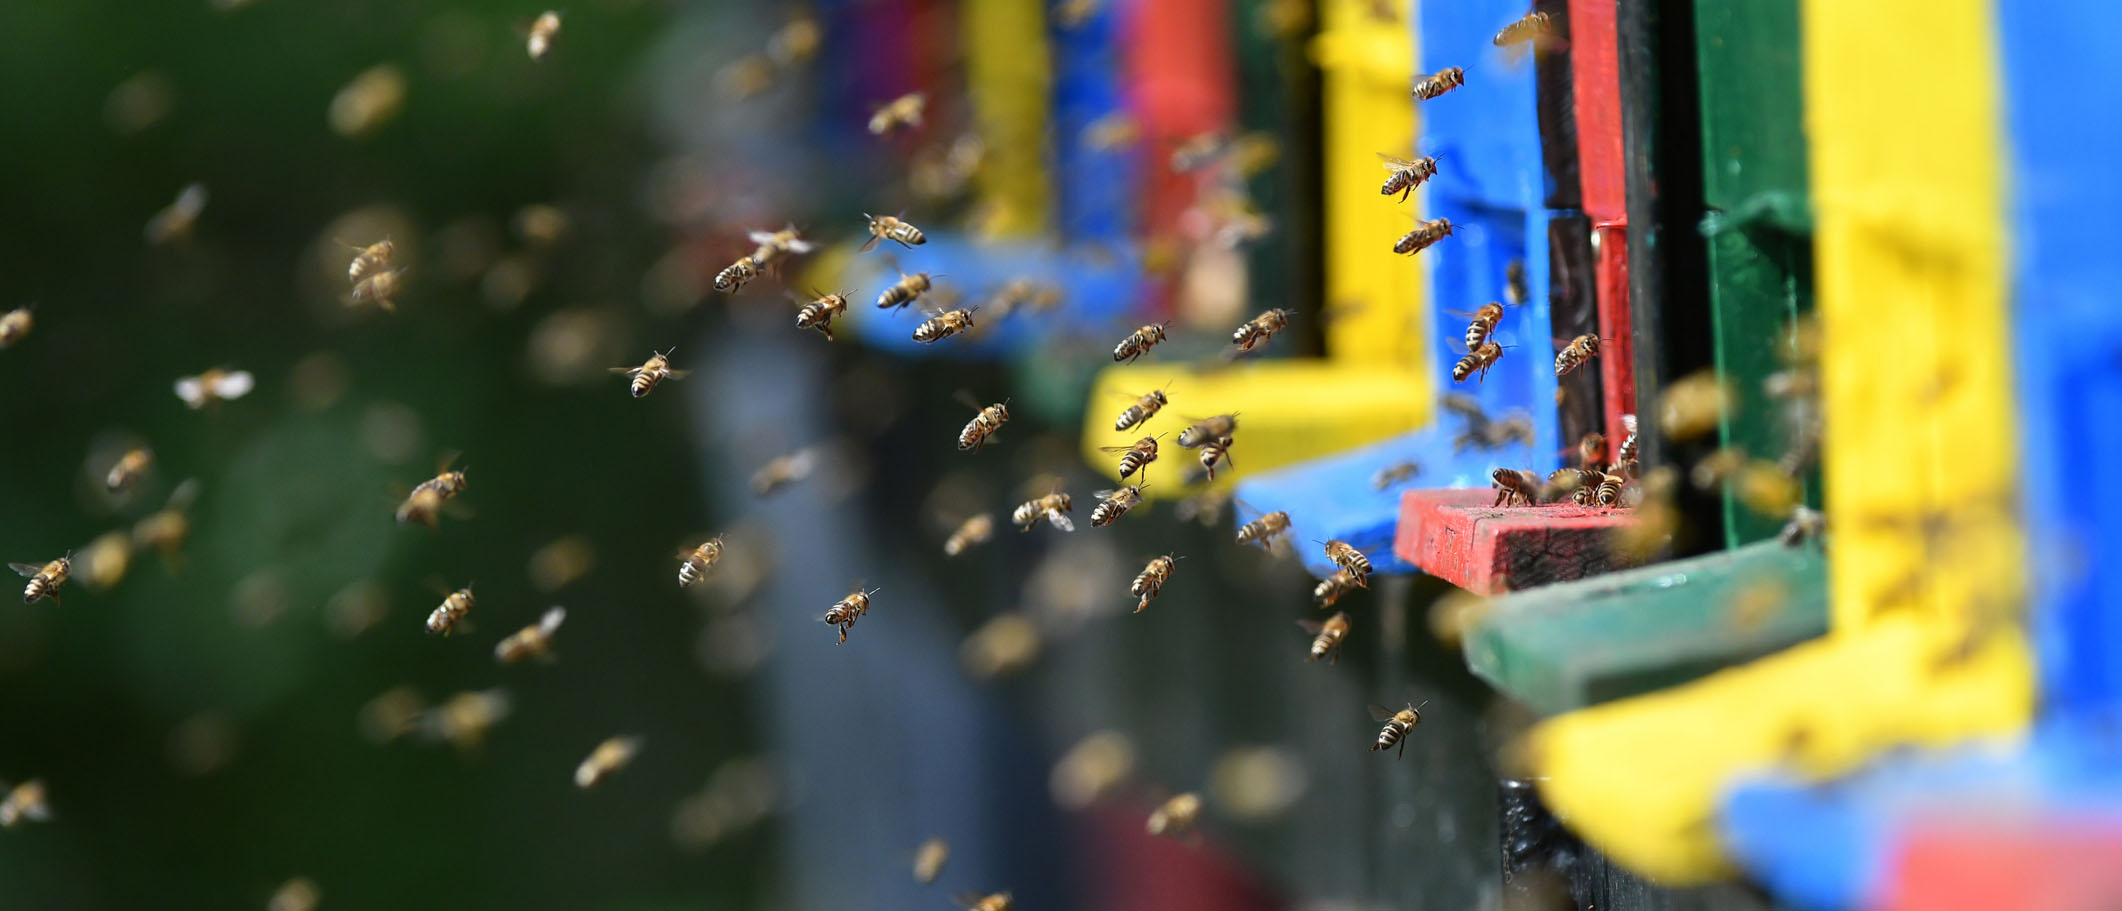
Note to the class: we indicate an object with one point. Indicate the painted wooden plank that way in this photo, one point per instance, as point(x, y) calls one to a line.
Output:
point(1366, 66)
point(1597, 89)
point(1009, 76)
point(1457, 536)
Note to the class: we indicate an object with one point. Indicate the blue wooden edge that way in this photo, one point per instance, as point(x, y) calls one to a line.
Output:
point(1098, 285)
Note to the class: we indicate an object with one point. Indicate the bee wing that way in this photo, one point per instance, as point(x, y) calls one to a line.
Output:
point(627, 371)
point(799, 245)
point(1381, 713)
point(1103, 494)
point(552, 620)
point(678, 374)
point(1114, 448)
point(234, 385)
point(181, 498)
point(1393, 163)
point(760, 237)
point(1060, 520)
point(192, 390)
point(25, 569)
point(1311, 626)
point(872, 242)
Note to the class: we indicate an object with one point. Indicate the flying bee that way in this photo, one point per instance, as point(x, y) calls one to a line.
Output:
point(382, 287)
point(1407, 174)
point(15, 324)
point(298, 894)
point(1139, 342)
point(783, 470)
point(451, 611)
point(1515, 487)
point(1135, 456)
point(775, 244)
point(943, 324)
point(1142, 410)
point(972, 532)
point(1013, 294)
point(168, 528)
point(176, 222)
point(1175, 817)
point(215, 385)
point(1327, 637)
point(1805, 524)
point(984, 424)
point(1534, 25)
point(1591, 451)
point(1397, 725)
point(1579, 352)
point(1214, 428)
point(533, 641)
point(425, 502)
point(846, 611)
point(894, 229)
point(1333, 588)
point(1213, 452)
point(1483, 324)
point(1115, 503)
point(1054, 506)
point(999, 901)
point(1346, 556)
point(1445, 80)
point(1423, 236)
point(1397, 473)
point(368, 260)
point(25, 801)
point(1480, 359)
point(643, 379)
point(694, 564)
point(818, 314)
point(1609, 492)
point(1264, 529)
point(606, 760)
point(1151, 580)
point(1260, 329)
point(129, 469)
point(1515, 287)
point(1198, 150)
point(1568, 482)
point(733, 279)
point(44, 580)
point(908, 289)
point(929, 860)
point(903, 111)
point(538, 39)
point(1111, 133)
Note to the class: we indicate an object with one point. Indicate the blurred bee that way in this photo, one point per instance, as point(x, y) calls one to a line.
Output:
point(1534, 25)
point(1480, 359)
point(129, 469)
point(846, 611)
point(783, 470)
point(983, 425)
point(1483, 324)
point(1693, 405)
point(1627, 452)
point(1397, 473)
point(176, 222)
point(1609, 492)
point(538, 39)
point(1333, 588)
point(1134, 457)
point(1445, 80)
point(1221, 425)
point(1176, 816)
point(999, 901)
point(606, 760)
point(1139, 343)
point(425, 502)
point(382, 288)
point(1054, 506)
point(795, 43)
point(1712, 469)
point(368, 260)
point(1115, 503)
point(466, 717)
point(929, 860)
point(1198, 150)
point(1206, 507)
point(1423, 236)
point(1397, 725)
point(105, 560)
point(168, 528)
point(1013, 294)
point(1327, 637)
point(44, 580)
point(819, 314)
point(1111, 132)
point(1263, 530)
point(732, 279)
point(450, 612)
point(212, 386)
point(908, 289)
point(14, 325)
point(1213, 452)
point(745, 76)
point(1151, 580)
point(533, 641)
point(1240, 224)
point(903, 111)
point(644, 379)
point(1515, 287)
point(1515, 487)
point(972, 532)
point(943, 324)
point(1407, 174)
point(694, 564)
point(1805, 524)
point(1579, 352)
point(1070, 14)
point(1346, 556)
point(298, 894)
point(775, 244)
point(1568, 482)
point(25, 801)
point(1260, 329)
point(891, 228)
point(1142, 410)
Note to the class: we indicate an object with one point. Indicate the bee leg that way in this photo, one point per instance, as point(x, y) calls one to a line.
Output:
point(1403, 747)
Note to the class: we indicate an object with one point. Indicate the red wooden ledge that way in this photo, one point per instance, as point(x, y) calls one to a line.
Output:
point(1456, 536)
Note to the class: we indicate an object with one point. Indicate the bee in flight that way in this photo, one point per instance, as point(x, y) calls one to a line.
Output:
point(167, 529)
point(643, 379)
point(1138, 343)
point(533, 641)
point(734, 278)
point(1805, 524)
point(216, 385)
point(1203, 432)
point(1423, 236)
point(929, 860)
point(1346, 556)
point(694, 564)
point(451, 611)
point(1198, 150)
point(1115, 503)
point(1591, 451)
point(999, 901)
point(1133, 457)
point(606, 760)
point(1480, 359)
point(1515, 288)
point(1151, 580)
point(908, 289)
point(1445, 80)
point(1397, 725)
point(970, 533)
point(775, 244)
point(1579, 352)
point(943, 324)
point(846, 611)
point(903, 111)
point(1407, 174)
point(984, 424)
point(1263, 530)
point(129, 469)
point(1483, 324)
point(1333, 588)
point(538, 39)
point(25, 801)
point(44, 580)
point(1397, 473)
point(1216, 451)
point(894, 229)
point(1534, 25)
point(1515, 487)
point(784, 470)
point(368, 260)
point(425, 502)
point(1327, 637)
point(382, 287)
point(1260, 329)
point(14, 325)
point(1054, 506)
point(175, 223)
point(818, 314)
point(1175, 817)
point(1143, 409)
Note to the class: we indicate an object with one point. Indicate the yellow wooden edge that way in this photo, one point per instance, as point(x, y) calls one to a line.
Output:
point(1374, 296)
point(1009, 75)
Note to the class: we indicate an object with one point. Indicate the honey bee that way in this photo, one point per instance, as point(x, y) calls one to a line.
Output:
point(1213, 452)
point(298, 894)
point(1263, 530)
point(795, 43)
point(1712, 469)
point(1532, 26)
point(1483, 324)
point(1142, 410)
point(25, 801)
point(368, 260)
point(733, 279)
point(1568, 482)
point(972, 532)
point(450, 612)
point(1139, 343)
point(14, 325)
point(1397, 473)
point(1516, 288)
point(784, 470)
point(1423, 236)
point(1515, 487)
point(1176, 816)
point(983, 425)
point(212, 386)
point(1198, 150)
point(846, 611)
point(382, 287)
point(1407, 174)
point(1111, 132)
point(425, 502)
point(1217, 427)
point(1397, 725)
point(1327, 637)
point(538, 39)
point(929, 860)
point(466, 717)
point(1579, 352)
point(1445, 80)
point(1054, 506)
point(44, 580)
point(1591, 450)
point(176, 222)
point(1205, 507)
point(694, 564)
point(1627, 453)
point(1115, 503)
point(908, 289)
point(1480, 359)
point(168, 528)
point(903, 111)
point(533, 641)
point(1151, 580)
point(999, 901)
point(1609, 491)
point(1134, 457)
point(1334, 587)
point(643, 379)
point(1805, 524)
point(943, 324)
point(129, 469)
point(894, 229)
point(606, 760)
point(1260, 329)
point(775, 244)
point(1346, 556)
point(818, 314)
point(1693, 405)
